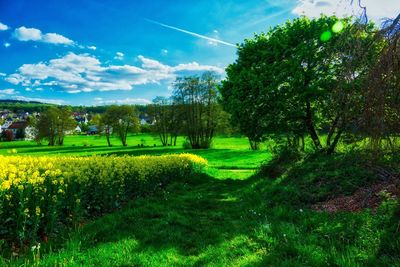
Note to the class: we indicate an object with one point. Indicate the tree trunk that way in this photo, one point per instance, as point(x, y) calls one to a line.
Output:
point(310, 126)
point(302, 143)
point(254, 145)
point(332, 147)
point(108, 140)
point(332, 131)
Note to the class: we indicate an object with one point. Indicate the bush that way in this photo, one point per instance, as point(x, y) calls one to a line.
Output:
point(38, 195)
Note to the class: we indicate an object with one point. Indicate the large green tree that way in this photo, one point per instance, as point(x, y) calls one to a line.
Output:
point(196, 98)
point(120, 120)
point(167, 119)
point(53, 124)
point(299, 78)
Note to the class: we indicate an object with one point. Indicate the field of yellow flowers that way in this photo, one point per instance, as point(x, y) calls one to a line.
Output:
point(40, 194)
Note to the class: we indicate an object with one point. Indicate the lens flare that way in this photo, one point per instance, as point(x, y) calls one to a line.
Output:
point(337, 27)
point(326, 36)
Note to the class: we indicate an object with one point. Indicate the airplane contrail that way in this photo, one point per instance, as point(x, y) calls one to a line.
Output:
point(191, 33)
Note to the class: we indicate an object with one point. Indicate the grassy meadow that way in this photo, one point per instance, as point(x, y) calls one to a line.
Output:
point(233, 214)
point(228, 154)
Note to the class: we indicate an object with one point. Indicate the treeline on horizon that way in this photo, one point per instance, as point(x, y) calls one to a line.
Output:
point(33, 106)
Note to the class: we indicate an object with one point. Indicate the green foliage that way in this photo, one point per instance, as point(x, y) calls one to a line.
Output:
point(289, 83)
point(120, 120)
point(167, 119)
point(53, 125)
point(196, 99)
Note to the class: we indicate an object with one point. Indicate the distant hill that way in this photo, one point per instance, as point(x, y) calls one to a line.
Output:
point(20, 101)
point(35, 106)
point(25, 106)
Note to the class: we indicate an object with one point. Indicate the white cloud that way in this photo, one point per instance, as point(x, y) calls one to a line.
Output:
point(119, 56)
point(27, 34)
point(164, 52)
point(32, 34)
point(14, 79)
point(6, 44)
point(194, 66)
point(376, 10)
point(126, 101)
point(55, 38)
point(92, 47)
point(3, 74)
point(3, 27)
point(8, 91)
point(75, 73)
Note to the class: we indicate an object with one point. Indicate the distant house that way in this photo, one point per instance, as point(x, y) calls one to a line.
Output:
point(78, 129)
point(18, 129)
point(93, 129)
point(143, 122)
point(80, 118)
point(30, 133)
point(146, 119)
point(5, 126)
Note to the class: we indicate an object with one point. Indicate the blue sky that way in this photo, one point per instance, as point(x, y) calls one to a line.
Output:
point(102, 52)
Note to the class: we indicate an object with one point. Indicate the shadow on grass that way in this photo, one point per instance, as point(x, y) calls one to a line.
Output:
point(186, 217)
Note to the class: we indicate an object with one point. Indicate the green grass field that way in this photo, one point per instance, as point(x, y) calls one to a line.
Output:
point(229, 216)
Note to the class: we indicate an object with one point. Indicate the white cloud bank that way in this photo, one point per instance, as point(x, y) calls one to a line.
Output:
point(376, 9)
point(9, 91)
point(32, 34)
point(3, 27)
point(75, 73)
point(126, 101)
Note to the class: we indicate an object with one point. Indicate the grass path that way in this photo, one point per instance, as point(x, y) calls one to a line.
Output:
point(189, 224)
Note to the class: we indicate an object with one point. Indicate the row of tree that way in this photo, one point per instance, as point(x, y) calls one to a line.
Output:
point(193, 111)
point(55, 122)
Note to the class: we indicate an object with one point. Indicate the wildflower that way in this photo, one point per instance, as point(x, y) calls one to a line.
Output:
point(6, 185)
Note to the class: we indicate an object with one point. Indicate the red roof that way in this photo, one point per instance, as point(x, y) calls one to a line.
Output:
point(18, 125)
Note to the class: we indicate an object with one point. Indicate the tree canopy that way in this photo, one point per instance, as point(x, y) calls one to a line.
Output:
point(303, 77)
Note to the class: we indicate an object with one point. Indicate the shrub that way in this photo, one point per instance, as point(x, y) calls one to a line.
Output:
point(40, 194)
